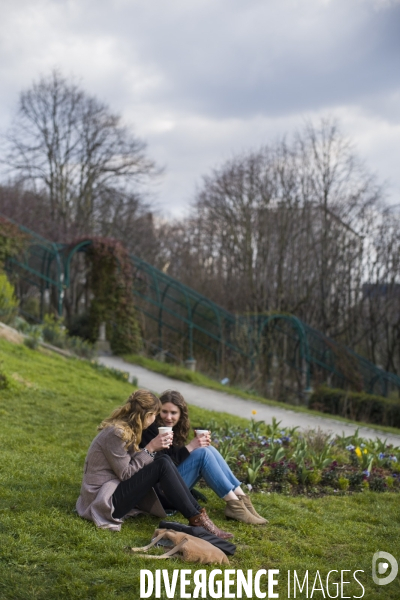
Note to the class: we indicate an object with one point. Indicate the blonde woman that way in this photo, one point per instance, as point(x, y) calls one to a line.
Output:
point(118, 476)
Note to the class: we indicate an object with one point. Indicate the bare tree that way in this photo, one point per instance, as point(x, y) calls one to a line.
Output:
point(73, 151)
point(380, 309)
point(284, 229)
point(346, 194)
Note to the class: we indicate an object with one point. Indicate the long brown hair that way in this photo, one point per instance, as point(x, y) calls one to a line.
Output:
point(131, 416)
point(181, 429)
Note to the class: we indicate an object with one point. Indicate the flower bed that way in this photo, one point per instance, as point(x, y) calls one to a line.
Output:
point(270, 459)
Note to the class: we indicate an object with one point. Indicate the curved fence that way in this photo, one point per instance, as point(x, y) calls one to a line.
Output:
point(181, 322)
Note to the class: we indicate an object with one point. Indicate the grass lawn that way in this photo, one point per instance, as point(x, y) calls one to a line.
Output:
point(49, 415)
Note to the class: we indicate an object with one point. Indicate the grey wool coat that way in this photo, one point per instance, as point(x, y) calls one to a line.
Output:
point(107, 464)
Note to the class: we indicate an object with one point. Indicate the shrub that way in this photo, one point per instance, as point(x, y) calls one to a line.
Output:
point(377, 484)
point(389, 481)
point(343, 483)
point(34, 336)
point(80, 347)
point(21, 324)
point(356, 479)
point(31, 306)
point(111, 282)
point(12, 240)
point(31, 341)
point(79, 326)
point(54, 331)
point(115, 373)
point(314, 477)
point(8, 302)
point(357, 406)
point(330, 477)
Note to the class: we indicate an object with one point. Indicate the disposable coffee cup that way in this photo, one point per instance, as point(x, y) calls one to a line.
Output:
point(165, 430)
point(200, 432)
point(162, 430)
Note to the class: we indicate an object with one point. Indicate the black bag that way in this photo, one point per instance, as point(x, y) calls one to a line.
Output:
point(200, 532)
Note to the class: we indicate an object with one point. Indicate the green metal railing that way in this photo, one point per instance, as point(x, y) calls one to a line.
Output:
point(203, 326)
point(40, 265)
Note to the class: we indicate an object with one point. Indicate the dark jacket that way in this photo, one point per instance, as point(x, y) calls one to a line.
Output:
point(177, 453)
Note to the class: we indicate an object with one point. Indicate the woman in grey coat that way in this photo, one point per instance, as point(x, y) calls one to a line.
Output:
point(119, 476)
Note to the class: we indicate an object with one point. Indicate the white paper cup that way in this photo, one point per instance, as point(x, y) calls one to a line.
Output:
point(200, 432)
point(162, 430)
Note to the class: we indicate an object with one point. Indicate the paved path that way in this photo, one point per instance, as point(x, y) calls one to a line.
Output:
point(221, 402)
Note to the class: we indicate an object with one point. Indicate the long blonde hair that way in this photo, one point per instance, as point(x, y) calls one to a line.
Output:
point(131, 417)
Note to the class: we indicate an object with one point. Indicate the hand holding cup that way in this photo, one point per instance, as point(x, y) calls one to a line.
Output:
point(162, 441)
point(203, 437)
point(166, 436)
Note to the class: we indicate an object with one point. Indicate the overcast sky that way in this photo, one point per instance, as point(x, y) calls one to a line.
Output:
point(203, 80)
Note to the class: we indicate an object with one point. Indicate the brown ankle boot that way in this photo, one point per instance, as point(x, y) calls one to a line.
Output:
point(235, 509)
point(203, 520)
point(249, 505)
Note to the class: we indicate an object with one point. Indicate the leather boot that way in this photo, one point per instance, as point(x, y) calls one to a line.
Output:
point(235, 509)
point(249, 505)
point(203, 520)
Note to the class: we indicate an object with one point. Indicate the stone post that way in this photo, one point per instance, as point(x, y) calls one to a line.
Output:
point(103, 346)
point(190, 364)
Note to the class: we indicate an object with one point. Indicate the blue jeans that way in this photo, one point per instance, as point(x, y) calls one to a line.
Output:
point(209, 464)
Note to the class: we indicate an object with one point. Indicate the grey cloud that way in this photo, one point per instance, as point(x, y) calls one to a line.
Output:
point(235, 59)
point(340, 62)
point(231, 58)
point(266, 61)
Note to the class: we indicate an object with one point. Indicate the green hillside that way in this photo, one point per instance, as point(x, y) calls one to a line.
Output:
point(49, 409)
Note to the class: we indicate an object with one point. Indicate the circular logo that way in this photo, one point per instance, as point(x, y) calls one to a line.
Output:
point(380, 568)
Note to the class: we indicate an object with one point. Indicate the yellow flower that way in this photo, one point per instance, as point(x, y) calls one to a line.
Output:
point(253, 412)
point(358, 452)
point(365, 451)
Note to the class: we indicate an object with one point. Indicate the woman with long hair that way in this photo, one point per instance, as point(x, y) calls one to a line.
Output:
point(199, 459)
point(119, 476)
